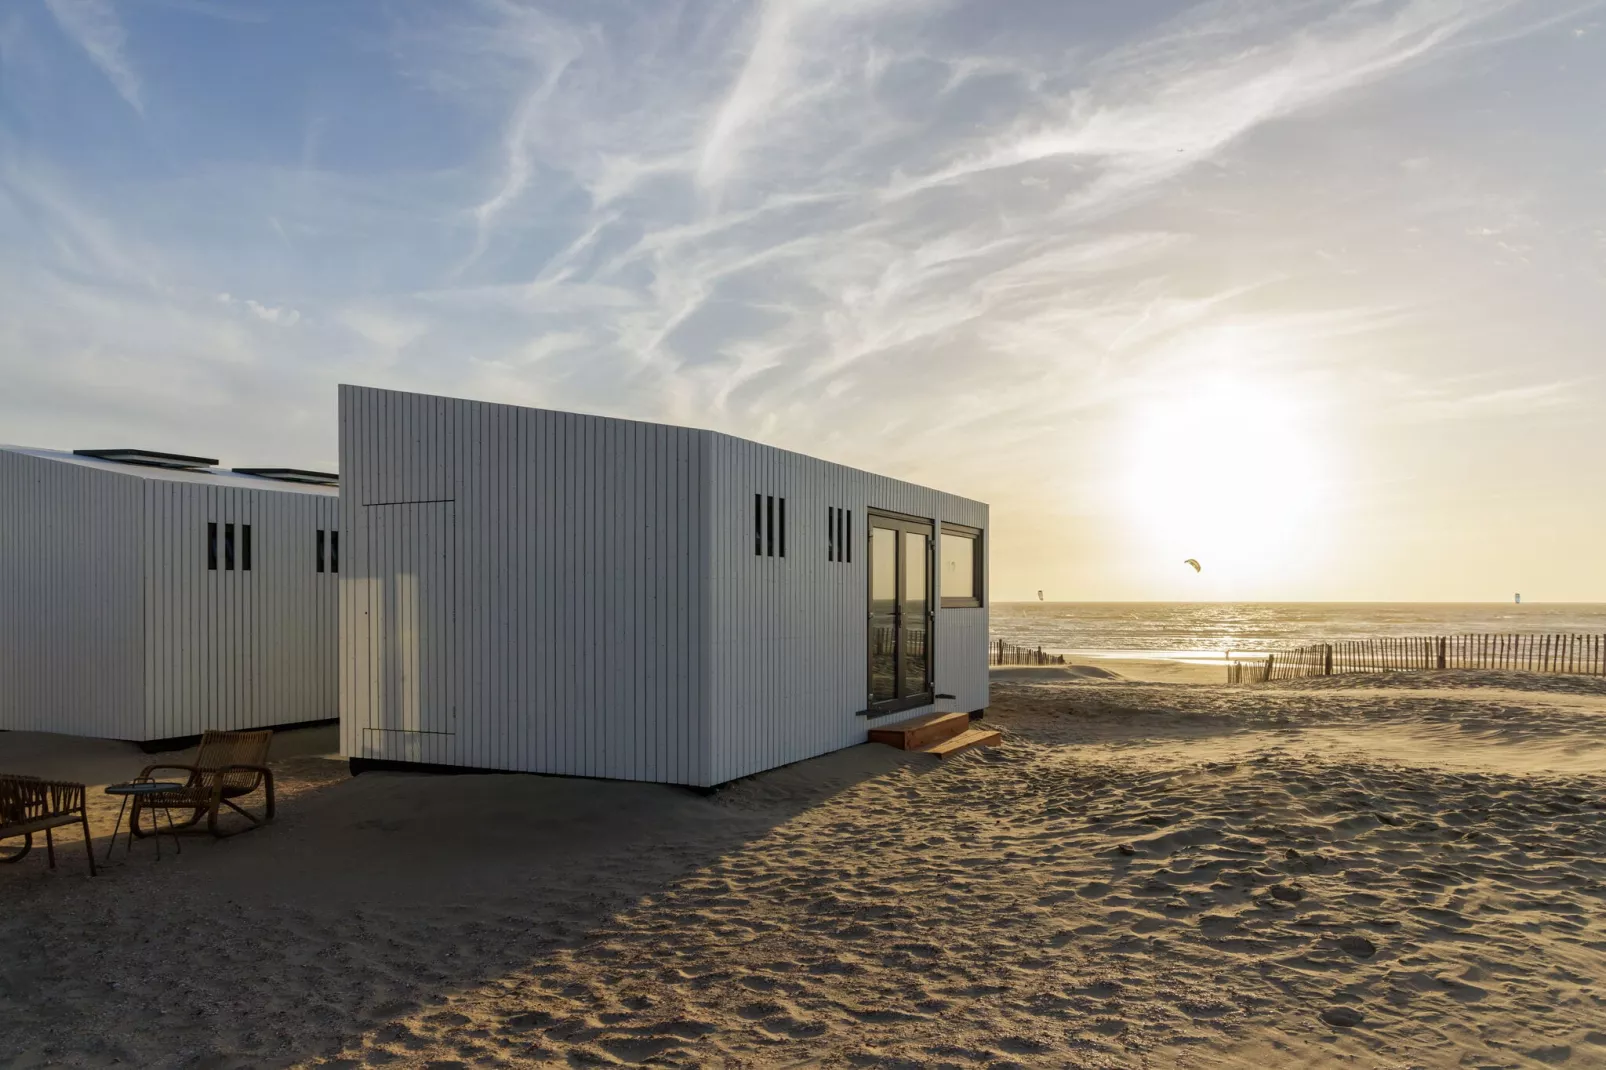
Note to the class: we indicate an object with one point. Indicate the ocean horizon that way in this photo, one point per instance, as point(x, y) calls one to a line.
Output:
point(1213, 631)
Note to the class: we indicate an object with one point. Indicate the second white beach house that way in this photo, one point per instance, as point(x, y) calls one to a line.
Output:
point(549, 592)
point(151, 596)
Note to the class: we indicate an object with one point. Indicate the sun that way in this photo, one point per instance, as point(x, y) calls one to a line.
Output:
point(1231, 471)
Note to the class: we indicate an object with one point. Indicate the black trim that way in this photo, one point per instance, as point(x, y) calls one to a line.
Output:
point(979, 599)
point(172, 743)
point(896, 705)
point(901, 523)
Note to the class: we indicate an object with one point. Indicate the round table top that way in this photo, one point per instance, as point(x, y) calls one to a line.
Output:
point(143, 787)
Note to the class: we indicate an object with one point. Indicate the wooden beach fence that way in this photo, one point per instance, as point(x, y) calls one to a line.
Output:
point(1002, 653)
point(1570, 653)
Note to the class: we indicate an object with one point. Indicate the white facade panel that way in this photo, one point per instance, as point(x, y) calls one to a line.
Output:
point(71, 653)
point(790, 639)
point(149, 642)
point(584, 597)
point(564, 631)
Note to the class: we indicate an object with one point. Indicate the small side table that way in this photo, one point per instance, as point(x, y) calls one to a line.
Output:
point(143, 787)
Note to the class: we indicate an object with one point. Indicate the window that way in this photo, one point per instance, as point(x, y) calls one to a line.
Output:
point(320, 549)
point(228, 547)
point(334, 551)
point(769, 525)
point(838, 535)
point(961, 566)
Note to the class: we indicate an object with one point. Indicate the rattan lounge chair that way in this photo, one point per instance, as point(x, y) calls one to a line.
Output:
point(29, 805)
point(228, 766)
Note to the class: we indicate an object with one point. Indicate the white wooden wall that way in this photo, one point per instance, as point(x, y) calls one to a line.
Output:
point(112, 625)
point(789, 662)
point(237, 649)
point(71, 649)
point(523, 589)
point(555, 593)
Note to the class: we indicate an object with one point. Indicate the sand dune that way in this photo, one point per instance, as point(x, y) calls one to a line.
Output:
point(1142, 875)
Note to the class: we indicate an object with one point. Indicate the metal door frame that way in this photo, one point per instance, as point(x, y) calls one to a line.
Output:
point(901, 523)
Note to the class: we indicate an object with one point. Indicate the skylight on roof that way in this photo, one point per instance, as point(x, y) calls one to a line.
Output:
point(149, 458)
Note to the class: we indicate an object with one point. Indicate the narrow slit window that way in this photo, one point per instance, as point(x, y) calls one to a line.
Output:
point(830, 533)
point(848, 542)
point(758, 525)
point(245, 547)
point(780, 522)
point(320, 549)
point(841, 534)
point(769, 523)
point(334, 551)
point(228, 547)
point(211, 546)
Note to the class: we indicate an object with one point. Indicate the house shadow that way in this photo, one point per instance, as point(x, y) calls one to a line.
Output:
point(371, 902)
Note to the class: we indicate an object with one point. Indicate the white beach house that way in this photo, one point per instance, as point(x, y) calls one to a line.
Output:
point(149, 596)
point(556, 593)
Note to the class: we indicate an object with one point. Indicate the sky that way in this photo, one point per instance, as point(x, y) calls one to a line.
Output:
point(1311, 291)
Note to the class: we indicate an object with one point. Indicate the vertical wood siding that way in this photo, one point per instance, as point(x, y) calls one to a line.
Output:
point(70, 600)
point(112, 625)
point(789, 662)
point(237, 649)
point(608, 616)
point(574, 577)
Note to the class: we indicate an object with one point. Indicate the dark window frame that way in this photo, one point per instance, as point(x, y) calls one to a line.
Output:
point(979, 599)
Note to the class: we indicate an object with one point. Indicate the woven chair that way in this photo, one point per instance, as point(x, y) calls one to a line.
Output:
point(29, 805)
point(228, 766)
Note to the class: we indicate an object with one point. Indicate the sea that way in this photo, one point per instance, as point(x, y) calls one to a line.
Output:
point(1210, 632)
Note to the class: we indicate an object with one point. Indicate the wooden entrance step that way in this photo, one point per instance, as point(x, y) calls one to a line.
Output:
point(970, 737)
point(921, 731)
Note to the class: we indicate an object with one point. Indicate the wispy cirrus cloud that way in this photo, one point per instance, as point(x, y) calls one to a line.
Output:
point(884, 231)
point(95, 27)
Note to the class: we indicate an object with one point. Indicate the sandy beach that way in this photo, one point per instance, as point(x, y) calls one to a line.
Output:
point(1374, 872)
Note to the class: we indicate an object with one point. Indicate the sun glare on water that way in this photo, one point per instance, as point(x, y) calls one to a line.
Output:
point(1230, 472)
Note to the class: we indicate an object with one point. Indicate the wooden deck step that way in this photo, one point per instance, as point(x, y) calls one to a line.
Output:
point(921, 731)
point(971, 737)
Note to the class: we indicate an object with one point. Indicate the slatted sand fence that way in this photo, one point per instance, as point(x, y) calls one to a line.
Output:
point(1569, 653)
point(1002, 653)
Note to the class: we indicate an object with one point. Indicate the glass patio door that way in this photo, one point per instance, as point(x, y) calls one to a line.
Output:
point(901, 612)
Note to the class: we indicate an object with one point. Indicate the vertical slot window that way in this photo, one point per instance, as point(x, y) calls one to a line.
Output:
point(830, 533)
point(211, 546)
point(228, 547)
point(780, 523)
point(848, 542)
point(320, 549)
point(769, 525)
point(758, 525)
point(334, 551)
point(245, 547)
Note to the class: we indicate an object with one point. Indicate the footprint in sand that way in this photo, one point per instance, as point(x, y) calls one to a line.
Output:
point(1343, 1017)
